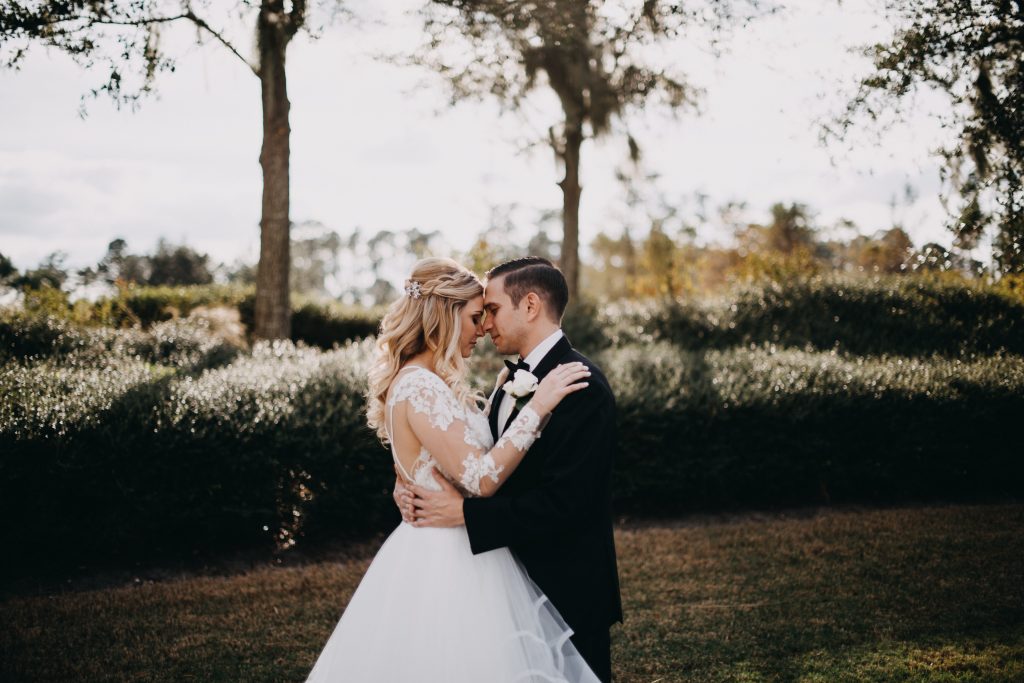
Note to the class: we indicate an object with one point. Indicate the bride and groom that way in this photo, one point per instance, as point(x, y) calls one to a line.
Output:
point(503, 568)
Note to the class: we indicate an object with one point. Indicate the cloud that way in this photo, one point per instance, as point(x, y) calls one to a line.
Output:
point(370, 150)
point(55, 202)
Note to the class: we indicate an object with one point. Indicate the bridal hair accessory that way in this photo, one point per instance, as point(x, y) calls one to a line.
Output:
point(412, 289)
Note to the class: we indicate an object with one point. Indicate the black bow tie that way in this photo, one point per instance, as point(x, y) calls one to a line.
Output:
point(518, 365)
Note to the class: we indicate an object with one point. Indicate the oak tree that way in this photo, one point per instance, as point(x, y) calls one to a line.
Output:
point(123, 37)
point(973, 53)
point(595, 56)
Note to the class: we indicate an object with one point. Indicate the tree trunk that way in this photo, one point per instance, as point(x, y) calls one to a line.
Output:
point(571, 191)
point(273, 307)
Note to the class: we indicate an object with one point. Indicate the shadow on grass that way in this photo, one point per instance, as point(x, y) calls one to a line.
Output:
point(909, 594)
point(807, 599)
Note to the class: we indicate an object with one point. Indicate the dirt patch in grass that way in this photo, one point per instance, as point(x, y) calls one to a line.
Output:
point(908, 594)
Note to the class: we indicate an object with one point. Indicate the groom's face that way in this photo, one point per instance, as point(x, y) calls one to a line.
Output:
point(505, 323)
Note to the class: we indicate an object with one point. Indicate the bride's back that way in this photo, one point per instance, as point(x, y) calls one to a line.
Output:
point(418, 388)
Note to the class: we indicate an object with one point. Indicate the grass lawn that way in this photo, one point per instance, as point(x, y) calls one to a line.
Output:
point(906, 594)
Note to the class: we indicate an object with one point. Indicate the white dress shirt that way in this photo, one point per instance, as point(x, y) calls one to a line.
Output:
point(532, 359)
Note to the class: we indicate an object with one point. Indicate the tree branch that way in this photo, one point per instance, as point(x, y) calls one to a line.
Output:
point(190, 16)
point(201, 23)
point(297, 17)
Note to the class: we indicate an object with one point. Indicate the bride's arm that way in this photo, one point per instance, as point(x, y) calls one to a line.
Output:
point(436, 419)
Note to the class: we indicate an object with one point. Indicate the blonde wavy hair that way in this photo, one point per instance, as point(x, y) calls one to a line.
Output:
point(413, 324)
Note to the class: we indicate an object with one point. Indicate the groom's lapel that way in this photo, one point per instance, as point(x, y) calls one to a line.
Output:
point(546, 365)
point(496, 396)
point(498, 384)
point(551, 358)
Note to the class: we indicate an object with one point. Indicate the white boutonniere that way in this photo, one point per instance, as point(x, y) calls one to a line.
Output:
point(521, 387)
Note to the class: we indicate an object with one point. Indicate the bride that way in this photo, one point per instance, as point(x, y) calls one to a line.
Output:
point(428, 609)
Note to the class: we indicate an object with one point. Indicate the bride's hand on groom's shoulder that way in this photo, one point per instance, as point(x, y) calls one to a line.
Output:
point(563, 380)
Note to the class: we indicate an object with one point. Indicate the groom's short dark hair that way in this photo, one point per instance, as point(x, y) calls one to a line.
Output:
point(534, 274)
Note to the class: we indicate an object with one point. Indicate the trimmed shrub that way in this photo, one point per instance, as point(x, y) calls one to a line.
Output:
point(70, 438)
point(907, 315)
point(317, 322)
point(148, 305)
point(131, 460)
point(322, 322)
point(328, 323)
point(897, 315)
point(25, 334)
point(137, 443)
point(191, 344)
point(760, 427)
point(587, 325)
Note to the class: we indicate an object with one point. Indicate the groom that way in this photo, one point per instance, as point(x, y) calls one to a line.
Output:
point(554, 511)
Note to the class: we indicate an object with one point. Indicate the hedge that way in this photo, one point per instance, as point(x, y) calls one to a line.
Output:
point(145, 306)
point(315, 321)
point(111, 455)
point(323, 322)
point(759, 426)
point(132, 460)
point(908, 315)
point(896, 315)
point(183, 343)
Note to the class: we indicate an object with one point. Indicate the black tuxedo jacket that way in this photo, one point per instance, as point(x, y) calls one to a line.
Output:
point(554, 511)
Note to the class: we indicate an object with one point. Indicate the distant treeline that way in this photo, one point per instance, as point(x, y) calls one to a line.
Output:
point(918, 314)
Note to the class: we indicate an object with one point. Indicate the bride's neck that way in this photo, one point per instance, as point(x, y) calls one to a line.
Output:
point(424, 359)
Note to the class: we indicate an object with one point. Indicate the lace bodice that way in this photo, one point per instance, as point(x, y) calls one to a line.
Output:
point(456, 439)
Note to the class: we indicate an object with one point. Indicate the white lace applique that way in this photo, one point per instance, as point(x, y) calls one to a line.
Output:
point(421, 469)
point(428, 394)
point(475, 468)
point(478, 432)
point(524, 430)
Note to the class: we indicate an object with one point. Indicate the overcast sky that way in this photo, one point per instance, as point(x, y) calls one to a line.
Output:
point(375, 146)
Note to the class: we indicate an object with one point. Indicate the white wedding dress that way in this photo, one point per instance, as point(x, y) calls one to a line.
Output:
point(430, 611)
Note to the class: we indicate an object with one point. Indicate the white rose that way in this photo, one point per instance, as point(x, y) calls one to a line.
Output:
point(522, 384)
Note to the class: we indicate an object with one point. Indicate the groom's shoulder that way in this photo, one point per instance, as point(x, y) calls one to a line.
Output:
point(599, 386)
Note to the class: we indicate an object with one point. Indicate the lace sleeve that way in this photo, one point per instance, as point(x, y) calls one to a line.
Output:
point(439, 421)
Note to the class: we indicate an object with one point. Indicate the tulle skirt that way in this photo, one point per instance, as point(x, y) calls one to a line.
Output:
point(429, 611)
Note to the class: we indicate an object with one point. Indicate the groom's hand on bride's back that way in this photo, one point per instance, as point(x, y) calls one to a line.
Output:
point(403, 498)
point(437, 508)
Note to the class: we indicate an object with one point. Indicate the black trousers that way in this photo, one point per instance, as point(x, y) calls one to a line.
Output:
point(595, 646)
